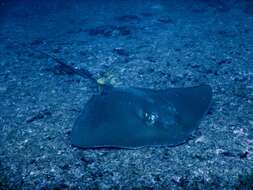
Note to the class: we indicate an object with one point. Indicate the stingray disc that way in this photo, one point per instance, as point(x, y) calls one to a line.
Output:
point(137, 117)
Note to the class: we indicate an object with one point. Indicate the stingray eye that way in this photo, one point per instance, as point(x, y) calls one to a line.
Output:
point(151, 118)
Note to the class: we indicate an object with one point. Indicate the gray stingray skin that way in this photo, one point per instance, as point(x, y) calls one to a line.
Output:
point(137, 117)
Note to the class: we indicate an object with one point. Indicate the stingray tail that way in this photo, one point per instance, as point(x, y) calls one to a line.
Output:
point(79, 71)
point(101, 87)
point(85, 73)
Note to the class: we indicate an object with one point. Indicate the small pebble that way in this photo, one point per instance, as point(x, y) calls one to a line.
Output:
point(201, 139)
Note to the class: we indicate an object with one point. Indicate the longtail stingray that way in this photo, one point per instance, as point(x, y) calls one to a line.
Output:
point(137, 117)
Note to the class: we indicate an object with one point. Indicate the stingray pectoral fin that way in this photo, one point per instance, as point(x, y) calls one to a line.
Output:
point(191, 103)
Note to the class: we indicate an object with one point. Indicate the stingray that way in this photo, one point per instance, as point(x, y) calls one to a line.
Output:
point(136, 117)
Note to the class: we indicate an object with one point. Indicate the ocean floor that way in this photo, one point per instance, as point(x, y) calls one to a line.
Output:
point(140, 43)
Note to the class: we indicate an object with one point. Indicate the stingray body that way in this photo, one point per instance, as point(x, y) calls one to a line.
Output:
point(137, 117)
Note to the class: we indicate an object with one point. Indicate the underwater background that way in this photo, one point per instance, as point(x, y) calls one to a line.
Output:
point(142, 43)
